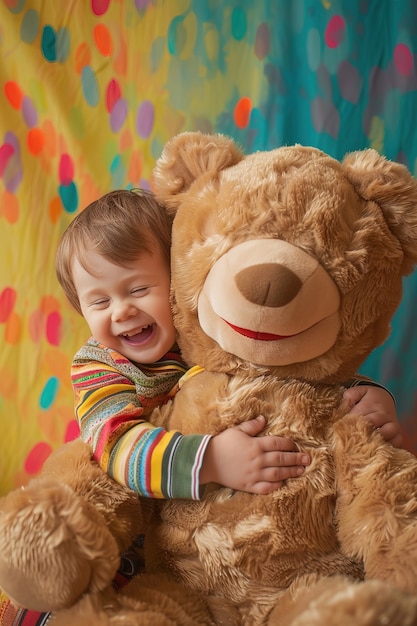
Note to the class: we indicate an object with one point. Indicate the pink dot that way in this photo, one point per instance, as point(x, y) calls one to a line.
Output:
point(7, 301)
point(53, 328)
point(72, 432)
point(37, 457)
point(113, 94)
point(66, 170)
point(403, 59)
point(334, 33)
point(6, 151)
point(99, 7)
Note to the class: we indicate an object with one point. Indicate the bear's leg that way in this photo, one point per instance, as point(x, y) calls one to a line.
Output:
point(148, 600)
point(337, 601)
point(63, 533)
point(53, 546)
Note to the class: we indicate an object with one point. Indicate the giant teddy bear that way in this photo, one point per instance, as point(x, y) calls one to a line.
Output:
point(287, 268)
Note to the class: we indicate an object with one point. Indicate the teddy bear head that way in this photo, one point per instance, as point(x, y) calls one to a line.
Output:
point(286, 262)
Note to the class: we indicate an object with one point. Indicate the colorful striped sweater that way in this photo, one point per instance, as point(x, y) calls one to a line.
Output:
point(114, 400)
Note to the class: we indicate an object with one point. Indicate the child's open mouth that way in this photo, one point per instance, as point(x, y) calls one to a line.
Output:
point(139, 337)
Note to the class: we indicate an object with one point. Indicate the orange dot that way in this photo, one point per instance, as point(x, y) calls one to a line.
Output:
point(10, 207)
point(35, 140)
point(35, 325)
point(242, 112)
point(50, 425)
point(120, 64)
point(135, 167)
point(11, 4)
point(13, 329)
point(82, 57)
point(14, 94)
point(59, 363)
point(8, 384)
point(126, 140)
point(49, 304)
point(103, 40)
point(51, 140)
point(55, 209)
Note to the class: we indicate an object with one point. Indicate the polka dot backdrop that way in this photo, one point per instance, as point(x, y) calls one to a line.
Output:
point(91, 91)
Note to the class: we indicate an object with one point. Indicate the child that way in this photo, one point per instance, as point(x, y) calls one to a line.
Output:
point(113, 264)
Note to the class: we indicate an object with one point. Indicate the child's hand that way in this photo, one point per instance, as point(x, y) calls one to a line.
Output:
point(237, 459)
point(378, 407)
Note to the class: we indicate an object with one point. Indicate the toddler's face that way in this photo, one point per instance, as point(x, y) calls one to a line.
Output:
point(127, 307)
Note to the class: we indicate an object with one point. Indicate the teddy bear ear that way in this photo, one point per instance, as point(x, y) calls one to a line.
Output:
point(188, 156)
point(394, 189)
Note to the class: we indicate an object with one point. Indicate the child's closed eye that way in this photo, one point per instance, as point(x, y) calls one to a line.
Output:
point(101, 303)
point(140, 291)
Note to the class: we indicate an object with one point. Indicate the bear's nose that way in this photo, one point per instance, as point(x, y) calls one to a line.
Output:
point(268, 284)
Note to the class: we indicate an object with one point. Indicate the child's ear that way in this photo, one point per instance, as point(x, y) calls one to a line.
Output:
point(186, 158)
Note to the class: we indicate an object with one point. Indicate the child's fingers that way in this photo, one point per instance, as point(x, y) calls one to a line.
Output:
point(252, 427)
point(279, 444)
point(284, 459)
point(274, 478)
point(391, 432)
point(353, 395)
point(263, 488)
point(276, 474)
point(280, 451)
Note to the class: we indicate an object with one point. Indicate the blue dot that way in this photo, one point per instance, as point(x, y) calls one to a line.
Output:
point(30, 26)
point(63, 44)
point(69, 197)
point(177, 35)
point(48, 43)
point(49, 392)
point(118, 172)
point(89, 85)
point(238, 24)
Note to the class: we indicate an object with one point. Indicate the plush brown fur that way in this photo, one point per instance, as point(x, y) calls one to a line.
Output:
point(60, 543)
point(287, 269)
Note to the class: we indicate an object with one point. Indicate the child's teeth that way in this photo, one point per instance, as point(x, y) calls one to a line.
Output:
point(135, 332)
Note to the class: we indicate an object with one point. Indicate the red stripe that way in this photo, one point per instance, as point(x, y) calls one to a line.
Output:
point(111, 426)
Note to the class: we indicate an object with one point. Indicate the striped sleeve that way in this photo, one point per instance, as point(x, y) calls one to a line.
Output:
point(113, 419)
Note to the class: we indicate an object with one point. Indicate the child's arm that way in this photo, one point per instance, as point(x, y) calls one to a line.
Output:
point(237, 459)
point(113, 413)
point(113, 420)
point(377, 405)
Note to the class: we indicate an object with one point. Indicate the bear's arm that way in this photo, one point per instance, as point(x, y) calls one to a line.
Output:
point(376, 502)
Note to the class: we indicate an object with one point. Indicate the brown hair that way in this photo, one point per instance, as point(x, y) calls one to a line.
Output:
point(120, 226)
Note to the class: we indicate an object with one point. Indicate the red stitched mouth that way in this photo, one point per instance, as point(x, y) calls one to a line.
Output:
point(254, 334)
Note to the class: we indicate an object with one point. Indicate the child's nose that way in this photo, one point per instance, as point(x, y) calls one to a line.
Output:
point(122, 310)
